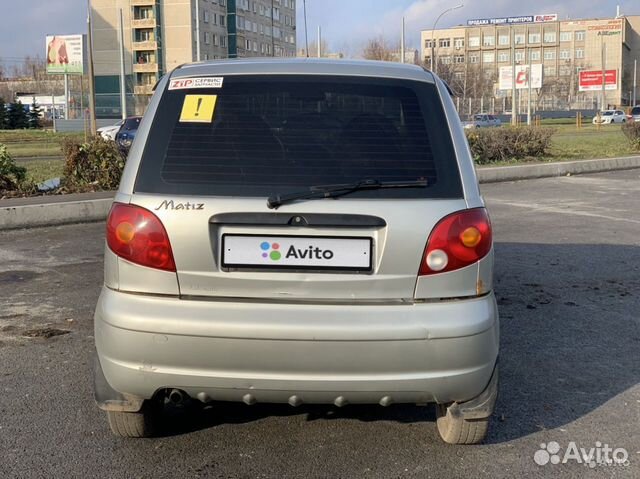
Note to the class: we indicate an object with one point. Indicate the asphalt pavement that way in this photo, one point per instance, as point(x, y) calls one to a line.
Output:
point(567, 282)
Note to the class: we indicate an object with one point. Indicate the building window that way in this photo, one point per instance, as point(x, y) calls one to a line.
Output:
point(215, 40)
point(519, 38)
point(534, 37)
point(579, 53)
point(445, 60)
point(503, 57)
point(550, 70)
point(580, 35)
point(205, 16)
point(488, 40)
point(247, 44)
point(459, 76)
point(458, 42)
point(565, 55)
point(488, 57)
point(444, 43)
point(549, 37)
point(474, 41)
point(222, 20)
point(223, 3)
point(565, 36)
point(458, 59)
point(519, 56)
point(473, 58)
point(549, 54)
point(207, 38)
point(503, 39)
point(429, 44)
point(565, 71)
point(223, 41)
point(534, 55)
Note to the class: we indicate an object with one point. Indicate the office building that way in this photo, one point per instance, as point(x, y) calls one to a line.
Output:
point(573, 54)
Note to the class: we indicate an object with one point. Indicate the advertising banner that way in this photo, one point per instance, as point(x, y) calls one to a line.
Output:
point(65, 54)
point(522, 77)
point(592, 80)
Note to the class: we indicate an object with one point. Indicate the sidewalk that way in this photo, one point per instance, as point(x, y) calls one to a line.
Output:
point(85, 207)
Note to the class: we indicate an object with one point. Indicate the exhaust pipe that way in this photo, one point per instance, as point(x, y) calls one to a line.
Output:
point(177, 397)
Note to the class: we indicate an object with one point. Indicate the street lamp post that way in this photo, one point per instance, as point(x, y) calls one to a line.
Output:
point(433, 32)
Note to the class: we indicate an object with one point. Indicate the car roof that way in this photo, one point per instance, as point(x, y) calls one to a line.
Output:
point(304, 66)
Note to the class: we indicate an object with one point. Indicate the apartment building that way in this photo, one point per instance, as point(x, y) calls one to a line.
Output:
point(573, 54)
point(159, 35)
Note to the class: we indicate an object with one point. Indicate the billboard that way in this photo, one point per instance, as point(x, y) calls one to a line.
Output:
point(65, 54)
point(592, 80)
point(545, 17)
point(522, 77)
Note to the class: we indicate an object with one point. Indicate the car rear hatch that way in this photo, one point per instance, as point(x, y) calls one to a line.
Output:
point(216, 153)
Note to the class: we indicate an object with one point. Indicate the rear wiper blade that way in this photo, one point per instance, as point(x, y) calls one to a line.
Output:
point(333, 191)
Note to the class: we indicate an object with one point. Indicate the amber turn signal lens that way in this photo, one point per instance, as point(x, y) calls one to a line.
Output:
point(470, 237)
point(125, 232)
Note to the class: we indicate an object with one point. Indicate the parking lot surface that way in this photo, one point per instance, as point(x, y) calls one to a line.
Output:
point(567, 283)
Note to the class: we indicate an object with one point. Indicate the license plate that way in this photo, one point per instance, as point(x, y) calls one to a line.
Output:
point(297, 252)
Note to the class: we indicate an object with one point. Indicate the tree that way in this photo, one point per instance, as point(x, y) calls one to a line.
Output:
point(34, 114)
point(17, 117)
point(377, 49)
point(313, 48)
point(3, 115)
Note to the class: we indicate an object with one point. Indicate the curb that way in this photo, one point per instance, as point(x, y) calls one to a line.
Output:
point(547, 170)
point(88, 210)
point(51, 214)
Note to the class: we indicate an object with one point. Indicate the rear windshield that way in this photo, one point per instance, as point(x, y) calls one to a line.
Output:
point(262, 135)
point(635, 110)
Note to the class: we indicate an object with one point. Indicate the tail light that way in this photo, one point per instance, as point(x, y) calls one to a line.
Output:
point(458, 240)
point(137, 235)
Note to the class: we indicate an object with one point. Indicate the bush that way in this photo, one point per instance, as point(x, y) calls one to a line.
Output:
point(96, 165)
point(491, 145)
point(12, 176)
point(632, 132)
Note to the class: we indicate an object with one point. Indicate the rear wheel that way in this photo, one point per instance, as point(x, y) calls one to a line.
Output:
point(144, 423)
point(457, 430)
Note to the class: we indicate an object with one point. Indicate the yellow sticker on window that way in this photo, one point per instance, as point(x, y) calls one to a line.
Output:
point(198, 108)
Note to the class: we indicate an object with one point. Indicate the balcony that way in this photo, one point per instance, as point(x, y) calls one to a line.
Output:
point(143, 89)
point(145, 68)
point(142, 3)
point(143, 22)
point(148, 45)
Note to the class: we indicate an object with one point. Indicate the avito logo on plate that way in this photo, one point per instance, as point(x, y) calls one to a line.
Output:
point(274, 254)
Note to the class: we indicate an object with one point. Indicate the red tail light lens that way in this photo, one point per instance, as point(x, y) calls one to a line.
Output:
point(137, 235)
point(458, 240)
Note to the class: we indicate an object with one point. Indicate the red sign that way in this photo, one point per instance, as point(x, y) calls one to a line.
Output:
point(592, 80)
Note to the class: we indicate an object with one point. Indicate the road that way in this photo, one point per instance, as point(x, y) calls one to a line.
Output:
point(568, 284)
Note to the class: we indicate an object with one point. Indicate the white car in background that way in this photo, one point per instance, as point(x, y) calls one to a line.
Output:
point(483, 121)
point(608, 117)
point(109, 132)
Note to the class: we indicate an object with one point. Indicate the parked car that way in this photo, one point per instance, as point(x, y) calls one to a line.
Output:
point(298, 231)
point(109, 132)
point(127, 132)
point(635, 113)
point(608, 117)
point(483, 121)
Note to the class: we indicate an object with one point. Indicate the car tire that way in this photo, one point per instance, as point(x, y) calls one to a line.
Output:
point(624, 121)
point(144, 423)
point(457, 430)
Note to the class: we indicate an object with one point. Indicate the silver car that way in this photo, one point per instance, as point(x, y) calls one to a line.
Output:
point(298, 231)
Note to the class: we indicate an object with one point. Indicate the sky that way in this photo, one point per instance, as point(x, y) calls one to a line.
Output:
point(346, 24)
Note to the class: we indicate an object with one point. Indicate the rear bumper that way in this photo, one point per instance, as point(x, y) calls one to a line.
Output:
point(297, 353)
